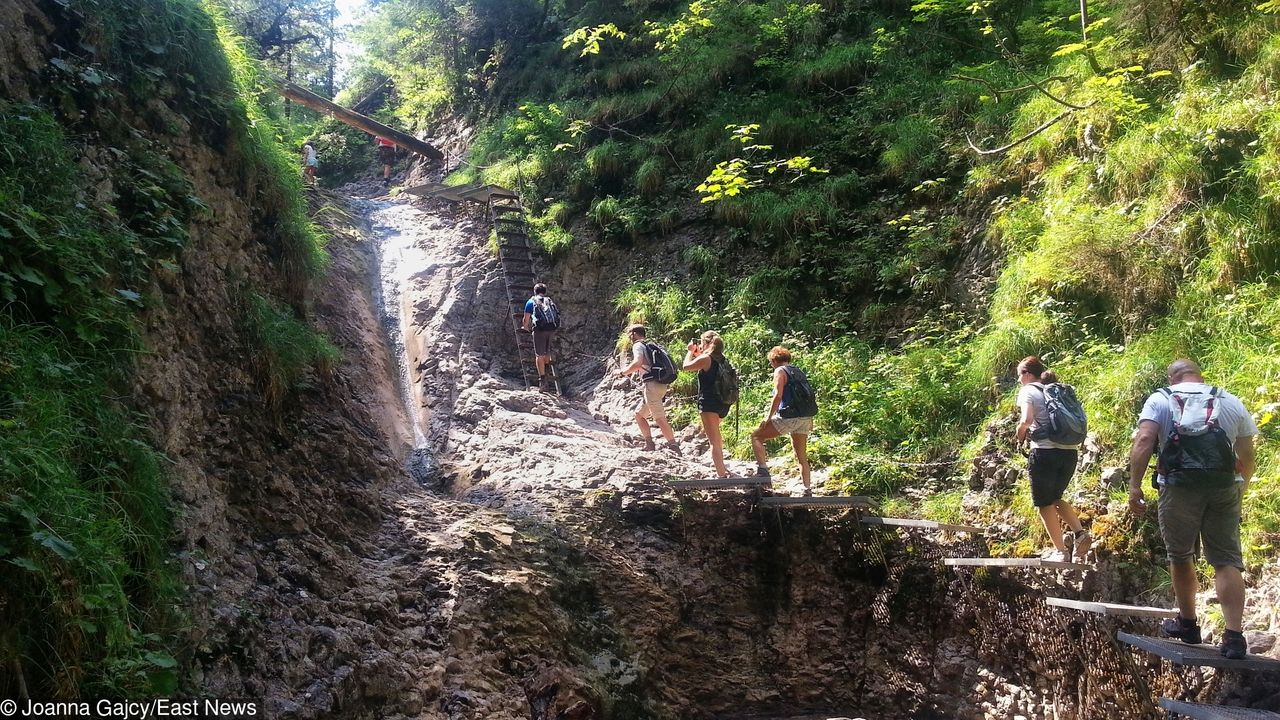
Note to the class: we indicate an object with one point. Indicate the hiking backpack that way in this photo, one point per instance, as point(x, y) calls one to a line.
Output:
point(546, 316)
point(1197, 450)
point(1068, 422)
point(727, 387)
point(662, 369)
point(804, 402)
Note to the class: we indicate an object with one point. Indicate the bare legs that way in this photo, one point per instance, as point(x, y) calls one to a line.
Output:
point(711, 426)
point(1054, 516)
point(799, 444)
point(1227, 581)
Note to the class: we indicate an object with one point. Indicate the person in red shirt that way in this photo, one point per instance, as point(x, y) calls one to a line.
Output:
point(386, 155)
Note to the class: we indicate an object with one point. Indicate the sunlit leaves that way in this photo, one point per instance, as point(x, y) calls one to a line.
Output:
point(590, 37)
point(732, 177)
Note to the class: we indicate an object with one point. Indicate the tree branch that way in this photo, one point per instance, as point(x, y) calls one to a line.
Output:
point(1008, 91)
point(1043, 126)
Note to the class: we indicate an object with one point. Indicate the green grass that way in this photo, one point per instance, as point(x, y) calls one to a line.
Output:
point(288, 348)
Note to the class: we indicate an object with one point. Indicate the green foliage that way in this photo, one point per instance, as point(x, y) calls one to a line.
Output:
point(92, 207)
point(85, 522)
point(1131, 219)
point(288, 348)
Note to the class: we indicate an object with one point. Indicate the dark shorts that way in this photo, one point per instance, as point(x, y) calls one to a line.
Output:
point(712, 405)
point(386, 154)
point(1050, 470)
point(542, 342)
point(1209, 515)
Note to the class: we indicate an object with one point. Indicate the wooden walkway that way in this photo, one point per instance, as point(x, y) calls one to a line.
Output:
point(1014, 563)
point(1112, 609)
point(815, 502)
point(1180, 653)
point(1201, 711)
point(728, 482)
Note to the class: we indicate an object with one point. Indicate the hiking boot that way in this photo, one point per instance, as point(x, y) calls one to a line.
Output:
point(649, 446)
point(1059, 556)
point(1185, 630)
point(674, 447)
point(808, 492)
point(1084, 541)
point(762, 471)
point(1234, 646)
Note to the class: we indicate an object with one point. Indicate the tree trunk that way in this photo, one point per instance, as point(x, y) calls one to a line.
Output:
point(306, 98)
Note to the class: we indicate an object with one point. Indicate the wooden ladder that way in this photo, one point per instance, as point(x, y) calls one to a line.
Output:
point(515, 257)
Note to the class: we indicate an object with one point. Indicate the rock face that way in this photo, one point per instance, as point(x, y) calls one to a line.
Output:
point(607, 595)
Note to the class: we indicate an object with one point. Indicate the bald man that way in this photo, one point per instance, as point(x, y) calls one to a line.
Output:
point(1206, 458)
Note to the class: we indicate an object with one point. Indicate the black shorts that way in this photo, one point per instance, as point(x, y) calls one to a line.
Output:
point(1050, 470)
point(712, 405)
point(542, 341)
point(386, 154)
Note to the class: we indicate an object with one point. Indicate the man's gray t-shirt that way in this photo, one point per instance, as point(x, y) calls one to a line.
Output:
point(1233, 418)
point(1031, 395)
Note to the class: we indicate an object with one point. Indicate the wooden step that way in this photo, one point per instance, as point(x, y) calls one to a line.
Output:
point(1202, 711)
point(1014, 563)
point(720, 483)
point(1112, 609)
point(1180, 653)
point(923, 524)
point(845, 501)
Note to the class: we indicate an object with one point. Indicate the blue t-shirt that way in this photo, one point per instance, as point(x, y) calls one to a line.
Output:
point(528, 306)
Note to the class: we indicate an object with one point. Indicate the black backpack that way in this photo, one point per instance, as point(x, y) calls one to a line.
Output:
point(727, 386)
point(803, 400)
point(546, 316)
point(1068, 422)
point(662, 369)
point(1197, 451)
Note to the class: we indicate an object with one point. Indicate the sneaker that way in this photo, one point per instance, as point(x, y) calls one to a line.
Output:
point(1059, 556)
point(1185, 630)
point(808, 492)
point(1234, 646)
point(762, 471)
point(674, 447)
point(1084, 541)
point(649, 446)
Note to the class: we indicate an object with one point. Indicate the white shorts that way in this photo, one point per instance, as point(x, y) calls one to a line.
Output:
point(792, 426)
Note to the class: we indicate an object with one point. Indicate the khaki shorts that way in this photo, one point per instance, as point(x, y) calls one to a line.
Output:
point(1208, 515)
point(792, 426)
point(651, 401)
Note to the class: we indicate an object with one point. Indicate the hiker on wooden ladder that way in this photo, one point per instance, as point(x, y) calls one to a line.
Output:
point(542, 318)
point(1206, 459)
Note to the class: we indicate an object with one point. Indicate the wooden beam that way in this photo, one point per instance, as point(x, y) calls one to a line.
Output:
point(1014, 562)
point(817, 502)
point(1106, 608)
point(306, 98)
point(719, 483)
point(922, 524)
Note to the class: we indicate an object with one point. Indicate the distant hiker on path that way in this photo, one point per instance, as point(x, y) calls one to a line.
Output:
point(1053, 456)
point(716, 380)
point(386, 156)
point(1205, 438)
point(657, 372)
point(790, 413)
point(542, 318)
point(310, 163)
